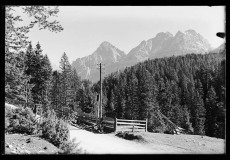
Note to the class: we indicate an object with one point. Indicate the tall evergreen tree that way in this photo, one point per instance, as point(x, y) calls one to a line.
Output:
point(46, 74)
point(66, 94)
point(211, 116)
point(76, 86)
point(15, 78)
point(36, 68)
point(86, 97)
point(55, 93)
point(199, 114)
point(40, 70)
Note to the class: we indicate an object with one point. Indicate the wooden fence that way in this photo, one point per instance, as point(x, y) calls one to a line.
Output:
point(114, 124)
point(130, 125)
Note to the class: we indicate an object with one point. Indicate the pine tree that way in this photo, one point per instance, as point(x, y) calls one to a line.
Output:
point(76, 86)
point(211, 108)
point(187, 125)
point(134, 96)
point(119, 98)
point(46, 74)
point(15, 78)
point(36, 68)
point(86, 97)
point(55, 92)
point(29, 60)
point(199, 114)
point(66, 94)
point(148, 106)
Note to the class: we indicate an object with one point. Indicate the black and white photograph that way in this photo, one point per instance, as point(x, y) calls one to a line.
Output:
point(115, 80)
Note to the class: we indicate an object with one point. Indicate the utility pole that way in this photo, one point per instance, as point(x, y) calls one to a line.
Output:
point(98, 106)
point(101, 69)
point(100, 91)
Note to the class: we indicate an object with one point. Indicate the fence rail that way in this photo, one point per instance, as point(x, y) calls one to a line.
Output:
point(127, 125)
point(115, 124)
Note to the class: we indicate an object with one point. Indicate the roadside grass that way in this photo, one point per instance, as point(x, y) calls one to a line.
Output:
point(195, 143)
point(28, 144)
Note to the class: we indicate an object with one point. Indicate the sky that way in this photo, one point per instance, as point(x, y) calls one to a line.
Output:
point(86, 27)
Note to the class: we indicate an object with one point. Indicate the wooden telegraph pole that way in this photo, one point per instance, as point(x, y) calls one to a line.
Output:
point(101, 68)
point(100, 92)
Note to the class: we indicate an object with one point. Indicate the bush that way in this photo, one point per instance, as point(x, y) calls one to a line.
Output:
point(69, 147)
point(62, 133)
point(54, 130)
point(20, 120)
point(48, 126)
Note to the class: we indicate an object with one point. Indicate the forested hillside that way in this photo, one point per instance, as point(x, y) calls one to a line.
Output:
point(189, 90)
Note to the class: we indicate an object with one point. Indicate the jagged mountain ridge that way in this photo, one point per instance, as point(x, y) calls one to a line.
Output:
point(162, 45)
point(106, 53)
point(165, 44)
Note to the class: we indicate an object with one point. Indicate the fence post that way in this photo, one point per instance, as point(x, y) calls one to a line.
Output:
point(115, 124)
point(146, 124)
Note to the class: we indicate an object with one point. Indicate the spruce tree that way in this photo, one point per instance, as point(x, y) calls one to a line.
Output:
point(76, 86)
point(55, 93)
point(36, 68)
point(211, 116)
point(199, 114)
point(16, 81)
point(86, 97)
point(46, 74)
point(66, 94)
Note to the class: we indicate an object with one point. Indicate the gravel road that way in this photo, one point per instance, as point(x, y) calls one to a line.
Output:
point(92, 143)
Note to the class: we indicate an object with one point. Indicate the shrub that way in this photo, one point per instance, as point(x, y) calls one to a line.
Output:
point(20, 120)
point(62, 133)
point(69, 147)
point(54, 130)
point(48, 126)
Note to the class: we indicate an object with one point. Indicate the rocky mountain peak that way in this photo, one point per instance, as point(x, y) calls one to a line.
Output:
point(179, 34)
point(191, 31)
point(105, 44)
point(164, 44)
point(163, 35)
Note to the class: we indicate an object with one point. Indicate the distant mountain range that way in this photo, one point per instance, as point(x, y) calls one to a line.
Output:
point(162, 45)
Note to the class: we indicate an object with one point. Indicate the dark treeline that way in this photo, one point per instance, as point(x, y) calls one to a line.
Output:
point(189, 90)
point(30, 80)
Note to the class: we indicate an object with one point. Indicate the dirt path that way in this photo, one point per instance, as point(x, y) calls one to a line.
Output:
point(109, 144)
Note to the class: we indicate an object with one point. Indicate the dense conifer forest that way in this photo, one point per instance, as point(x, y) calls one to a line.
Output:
point(189, 90)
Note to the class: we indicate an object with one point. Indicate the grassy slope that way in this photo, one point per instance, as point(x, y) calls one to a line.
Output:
point(28, 144)
point(189, 143)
